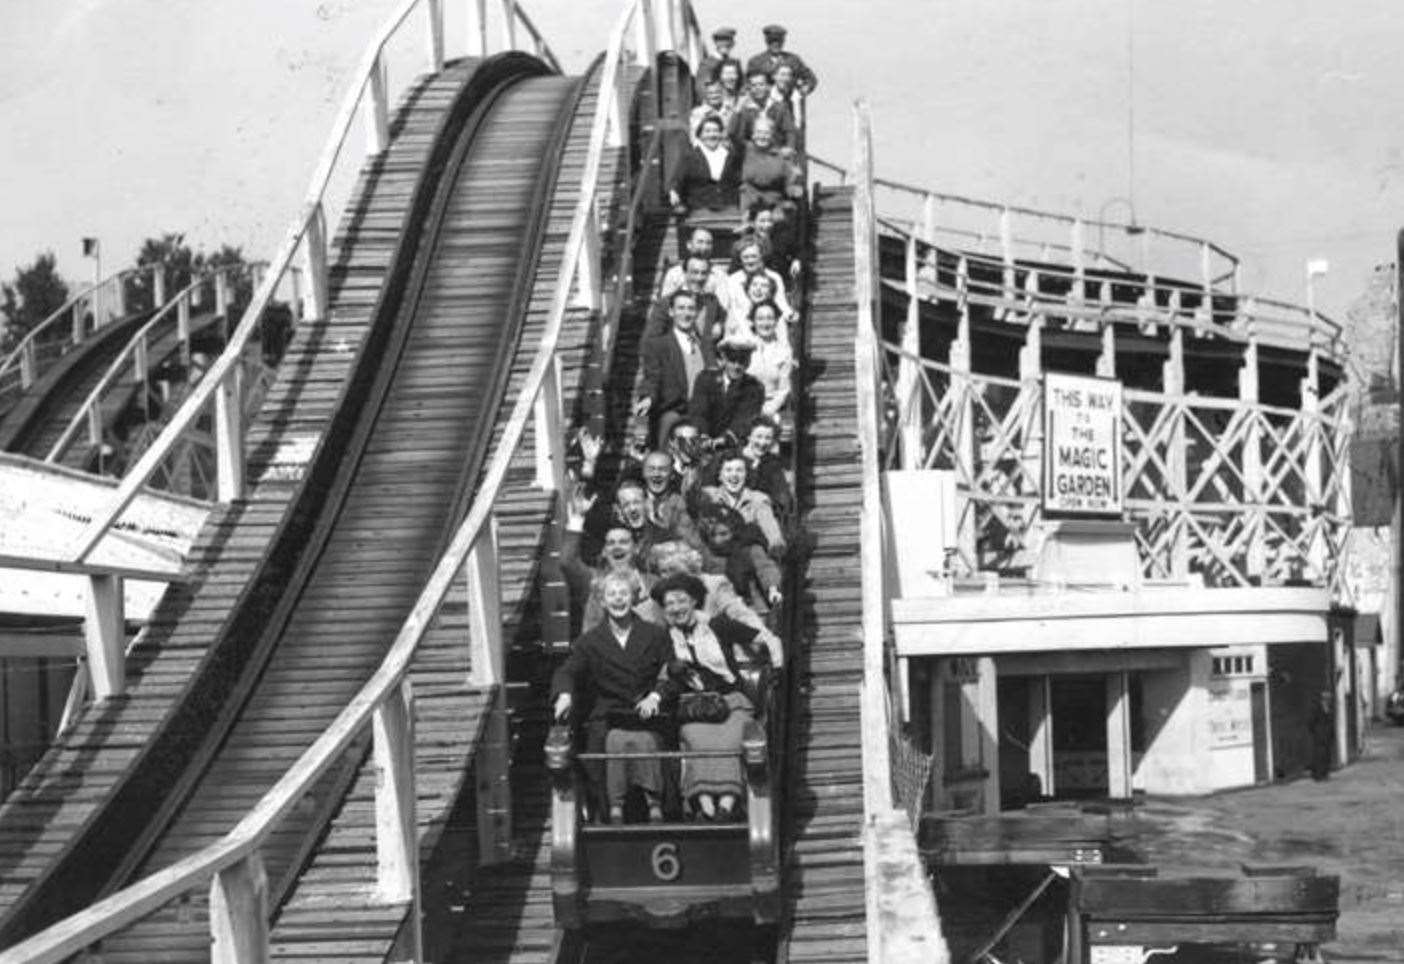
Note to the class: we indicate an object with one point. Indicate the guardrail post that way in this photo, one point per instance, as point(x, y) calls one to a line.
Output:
point(221, 283)
point(317, 264)
point(27, 365)
point(1077, 244)
point(229, 435)
point(141, 362)
point(509, 25)
point(396, 830)
point(105, 635)
point(239, 913)
point(183, 326)
point(1206, 268)
point(1006, 249)
point(477, 28)
point(588, 283)
point(550, 440)
point(434, 10)
point(909, 396)
point(492, 761)
point(377, 110)
point(647, 26)
point(94, 419)
point(484, 609)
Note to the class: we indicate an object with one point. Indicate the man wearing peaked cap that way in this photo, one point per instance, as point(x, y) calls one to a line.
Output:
point(776, 54)
point(724, 39)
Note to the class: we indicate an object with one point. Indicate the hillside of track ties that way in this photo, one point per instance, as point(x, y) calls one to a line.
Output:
point(64, 405)
point(450, 715)
point(404, 482)
point(43, 820)
point(33, 424)
point(504, 913)
point(824, 915)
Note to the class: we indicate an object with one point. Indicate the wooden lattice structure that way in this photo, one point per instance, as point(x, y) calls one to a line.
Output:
point(1231, 472)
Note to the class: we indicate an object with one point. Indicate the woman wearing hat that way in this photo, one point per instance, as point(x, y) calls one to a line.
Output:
point(705, 661)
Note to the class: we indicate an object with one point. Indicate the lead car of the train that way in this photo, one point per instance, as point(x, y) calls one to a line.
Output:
point(673, 873)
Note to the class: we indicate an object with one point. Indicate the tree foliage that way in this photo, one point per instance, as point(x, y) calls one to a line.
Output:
point(181, 264)
point(37, 292)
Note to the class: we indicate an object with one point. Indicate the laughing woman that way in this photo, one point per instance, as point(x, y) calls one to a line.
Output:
point(712, 709)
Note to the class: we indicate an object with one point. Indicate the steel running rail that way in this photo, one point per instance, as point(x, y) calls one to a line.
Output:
point(238, 917)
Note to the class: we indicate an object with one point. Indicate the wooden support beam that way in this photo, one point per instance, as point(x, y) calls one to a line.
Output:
point(105, 635)
point(239, 913)
point(1255, 563)
point(909, 395)
point(1118, 736)
point(1176, 461)
point(987, 709)
point(158, 282)
point(221, 283)
point(1106, 360)
point(1040, 707)
point(183, 326)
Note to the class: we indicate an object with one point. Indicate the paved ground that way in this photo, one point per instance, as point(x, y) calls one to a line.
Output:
point(1351, 825)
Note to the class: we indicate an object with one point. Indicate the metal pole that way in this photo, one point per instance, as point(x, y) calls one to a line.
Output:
point(1392, 653)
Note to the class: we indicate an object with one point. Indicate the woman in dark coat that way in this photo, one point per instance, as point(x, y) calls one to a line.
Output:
point(704, 661)
point(709, 175)
point(614, 669)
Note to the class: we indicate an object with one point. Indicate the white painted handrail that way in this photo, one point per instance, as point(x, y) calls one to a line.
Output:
point(111, 289)
point(1072, 233)
point(232, 864)
point(877, 770)
point(135, 354)
point(1159, 302)
point(369, 91)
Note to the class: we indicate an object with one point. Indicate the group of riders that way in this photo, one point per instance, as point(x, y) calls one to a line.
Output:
point(676, 541)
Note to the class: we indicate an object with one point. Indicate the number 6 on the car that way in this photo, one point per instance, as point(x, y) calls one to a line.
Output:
point(666, 866)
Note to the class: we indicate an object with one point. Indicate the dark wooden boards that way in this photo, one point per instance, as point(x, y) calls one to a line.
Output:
point(824, 895)
point(47, 815)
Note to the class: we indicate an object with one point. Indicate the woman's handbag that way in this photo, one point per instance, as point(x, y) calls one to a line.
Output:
point(703, 708)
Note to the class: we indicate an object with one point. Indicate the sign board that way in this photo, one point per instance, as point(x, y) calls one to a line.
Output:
point(1081, 445)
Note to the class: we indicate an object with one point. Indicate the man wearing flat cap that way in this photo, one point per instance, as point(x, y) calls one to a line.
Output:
point(776, 54)
point(724, 40)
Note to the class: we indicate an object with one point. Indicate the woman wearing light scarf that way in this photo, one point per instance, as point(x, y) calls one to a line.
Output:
point(704, 660)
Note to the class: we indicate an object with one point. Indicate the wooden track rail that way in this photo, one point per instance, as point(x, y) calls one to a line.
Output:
point(824, 816)
point(404, 482)
point(59, 804)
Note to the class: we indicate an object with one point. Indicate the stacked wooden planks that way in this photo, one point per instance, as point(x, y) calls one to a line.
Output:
point(403, 482)
point(330, 914)
point(33, 424)
point(824, 796)
point(46, 822)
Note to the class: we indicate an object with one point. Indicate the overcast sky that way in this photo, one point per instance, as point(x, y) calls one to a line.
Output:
point(1266, 125)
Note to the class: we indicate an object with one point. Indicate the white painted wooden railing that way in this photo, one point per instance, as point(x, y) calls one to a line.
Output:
point(370, 91)
point(232, 868)
point(1012, 231)
point(134, 360)
point(95, 306)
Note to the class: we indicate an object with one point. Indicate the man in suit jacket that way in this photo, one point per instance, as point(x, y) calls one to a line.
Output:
point(725, 402)
point(613, 671)
point(699, 278)
point(671, 363)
